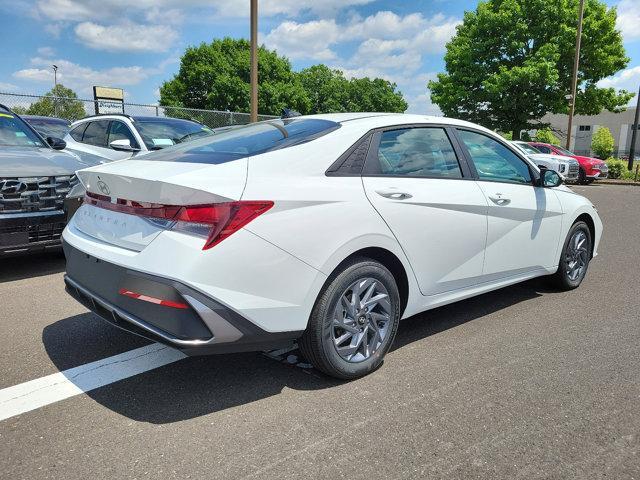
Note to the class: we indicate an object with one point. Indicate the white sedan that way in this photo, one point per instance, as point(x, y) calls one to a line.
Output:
point(325, 230)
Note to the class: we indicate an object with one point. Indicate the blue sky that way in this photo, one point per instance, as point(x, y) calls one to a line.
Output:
point(137, 44)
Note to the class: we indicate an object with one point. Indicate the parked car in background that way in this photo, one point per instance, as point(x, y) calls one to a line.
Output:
point(324, 229)
point(36, 177)
point(58, 128)
point(48, 126)
point(119, 136)
point(590, 168)
point(565, 166)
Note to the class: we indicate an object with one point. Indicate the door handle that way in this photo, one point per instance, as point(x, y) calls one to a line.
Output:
point(499, 199)
point(393, 194)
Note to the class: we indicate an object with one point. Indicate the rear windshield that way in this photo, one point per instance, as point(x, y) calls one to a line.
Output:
point(528, 149)
point(245, 141)
point(49, 128)
point(163, 133)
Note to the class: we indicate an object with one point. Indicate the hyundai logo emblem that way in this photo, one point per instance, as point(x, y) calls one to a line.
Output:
point(103, 187)
point(12, 186)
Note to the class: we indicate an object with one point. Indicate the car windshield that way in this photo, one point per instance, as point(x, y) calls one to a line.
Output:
point(166, 132)
point(248, 140)
point(528, 149)
point(15, 133)
point(49, 128)
point(564, 151)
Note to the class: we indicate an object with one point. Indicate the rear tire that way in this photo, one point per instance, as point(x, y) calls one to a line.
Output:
point(354, 321)
point(575, 258)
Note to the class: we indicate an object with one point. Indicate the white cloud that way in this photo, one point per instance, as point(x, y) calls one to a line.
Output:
point(628, 79)
point(309, 40)
point(629, 19)
point(128, 37)
point(80, 78)
point(46, 51)
point(9, 87)
point(288, 8)
point(54, 28)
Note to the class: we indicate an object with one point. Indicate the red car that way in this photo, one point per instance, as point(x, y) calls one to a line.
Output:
point(590, 168)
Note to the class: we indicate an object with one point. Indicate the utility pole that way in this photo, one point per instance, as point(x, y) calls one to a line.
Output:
point(55, 75)
point(634, 134)
point(574, 80)
point(254, 61)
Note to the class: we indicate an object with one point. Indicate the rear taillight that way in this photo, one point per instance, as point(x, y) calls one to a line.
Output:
point(216, 221)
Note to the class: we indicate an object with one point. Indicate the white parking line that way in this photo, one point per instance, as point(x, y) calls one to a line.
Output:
point(44, 391)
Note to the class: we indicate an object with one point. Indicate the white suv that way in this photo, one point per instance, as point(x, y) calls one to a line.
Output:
point(119, 136)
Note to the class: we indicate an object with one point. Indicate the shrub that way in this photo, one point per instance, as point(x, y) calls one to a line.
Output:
point(602, 143)
point(545, 135)
point(616, 167)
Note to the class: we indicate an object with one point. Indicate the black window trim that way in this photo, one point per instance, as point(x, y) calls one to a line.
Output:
point(535, 176)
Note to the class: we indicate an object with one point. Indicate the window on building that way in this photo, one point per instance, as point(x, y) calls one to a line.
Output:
point(584, 128)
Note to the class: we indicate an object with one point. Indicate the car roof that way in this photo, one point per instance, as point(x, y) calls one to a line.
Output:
point(43, 117)
point(133, 118)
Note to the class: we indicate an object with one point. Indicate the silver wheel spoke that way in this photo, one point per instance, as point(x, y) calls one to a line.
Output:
point(361, 320)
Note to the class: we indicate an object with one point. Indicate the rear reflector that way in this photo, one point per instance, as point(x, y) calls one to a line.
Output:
point(217, 221)
point(157, 301)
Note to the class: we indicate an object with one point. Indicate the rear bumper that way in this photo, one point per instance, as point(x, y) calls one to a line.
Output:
point(205, 327)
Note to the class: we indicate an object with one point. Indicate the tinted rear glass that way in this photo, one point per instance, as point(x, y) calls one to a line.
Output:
point(163, 133)
point(248, 140)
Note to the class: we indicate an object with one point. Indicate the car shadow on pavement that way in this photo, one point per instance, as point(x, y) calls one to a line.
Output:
point(198, 386)
point(29, 266)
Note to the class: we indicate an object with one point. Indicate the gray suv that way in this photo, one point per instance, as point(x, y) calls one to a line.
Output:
point(36, 177)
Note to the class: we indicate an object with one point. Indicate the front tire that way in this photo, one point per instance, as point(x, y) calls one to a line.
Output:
point(575, 257)
point(354, 321)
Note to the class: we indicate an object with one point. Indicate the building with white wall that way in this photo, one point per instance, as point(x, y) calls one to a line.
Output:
point(584, 126)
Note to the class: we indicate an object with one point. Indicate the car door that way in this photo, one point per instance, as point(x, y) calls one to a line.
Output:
point(524, 221)
point(422, 189)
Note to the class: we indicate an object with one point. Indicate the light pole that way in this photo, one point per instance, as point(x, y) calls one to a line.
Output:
point(254, 61)
point(55, 89)
point(574, 80)
point(634, 134)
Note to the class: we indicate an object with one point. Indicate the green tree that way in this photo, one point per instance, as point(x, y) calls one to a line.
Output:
point(66, 106)
point(602, 143)
point(545, 135)
point(374, 95)
point(511, 61)
point(328, 90)
point(216, 76)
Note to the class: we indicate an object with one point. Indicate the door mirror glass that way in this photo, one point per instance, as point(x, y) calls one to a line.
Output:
point(56, 143)
point(122, 145)
point(550, 178)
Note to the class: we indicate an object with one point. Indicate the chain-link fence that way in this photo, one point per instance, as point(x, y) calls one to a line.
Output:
point(76, 108)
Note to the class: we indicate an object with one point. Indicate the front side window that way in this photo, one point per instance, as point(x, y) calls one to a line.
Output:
point(418, 152)
point(119, 131)
point(96, 133)
point(14, 132)
point(494, 162)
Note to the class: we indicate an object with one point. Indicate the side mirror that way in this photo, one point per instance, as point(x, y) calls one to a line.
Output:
point(550, 178)
point(56, 143)
point(123, 145)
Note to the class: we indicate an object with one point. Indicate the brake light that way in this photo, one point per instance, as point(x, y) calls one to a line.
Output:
point(216, 221)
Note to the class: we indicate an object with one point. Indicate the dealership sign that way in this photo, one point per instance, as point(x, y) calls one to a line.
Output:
point(108, 100)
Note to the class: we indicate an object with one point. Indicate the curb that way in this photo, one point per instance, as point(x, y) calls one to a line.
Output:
point(618, 182)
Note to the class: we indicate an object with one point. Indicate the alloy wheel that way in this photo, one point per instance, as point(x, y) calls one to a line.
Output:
point(361, 320)
point(577, 256)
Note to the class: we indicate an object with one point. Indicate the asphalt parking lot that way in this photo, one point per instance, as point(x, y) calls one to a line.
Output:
point(524, 382)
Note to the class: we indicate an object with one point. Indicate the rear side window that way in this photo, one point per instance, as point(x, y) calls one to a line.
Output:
point(77, 132)
point(96, 133)
point(417, 152)
point(248, 140)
